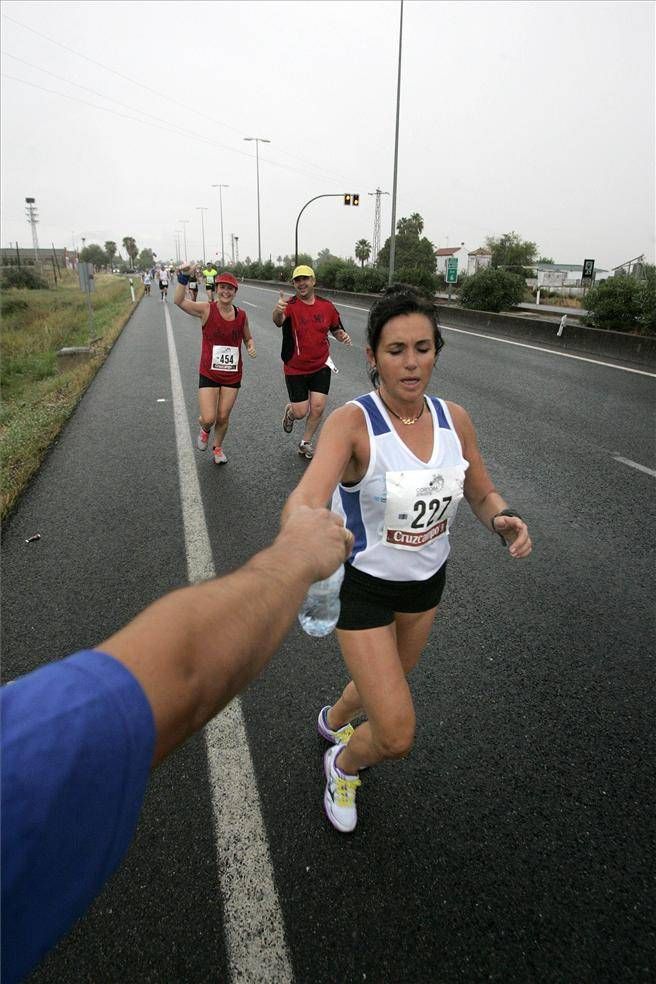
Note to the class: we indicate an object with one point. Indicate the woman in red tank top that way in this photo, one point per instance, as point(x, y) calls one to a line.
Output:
point(225, 327)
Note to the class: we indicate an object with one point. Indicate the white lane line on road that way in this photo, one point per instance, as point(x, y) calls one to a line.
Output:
point(538, 348)
point(200, 563)
point(255, 933)
point(250, 304)
point(506, 341)
point(634, 464)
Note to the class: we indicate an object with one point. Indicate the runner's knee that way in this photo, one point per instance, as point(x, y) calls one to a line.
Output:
point(395, 737)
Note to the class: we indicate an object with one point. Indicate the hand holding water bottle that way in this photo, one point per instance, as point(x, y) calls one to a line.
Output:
point(319, 612)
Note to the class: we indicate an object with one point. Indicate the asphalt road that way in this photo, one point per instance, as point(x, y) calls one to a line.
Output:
point(516, 843)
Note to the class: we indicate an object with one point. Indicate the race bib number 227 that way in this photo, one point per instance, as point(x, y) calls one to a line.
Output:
point(420, 506)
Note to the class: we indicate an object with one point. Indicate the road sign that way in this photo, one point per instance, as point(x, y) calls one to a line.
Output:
point(452, 270)
point(588, 270)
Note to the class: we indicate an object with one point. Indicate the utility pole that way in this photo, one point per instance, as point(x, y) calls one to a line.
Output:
point(202, 210)
point(258, 141)
point(232, 246)
point(375, 245)
point(396, 154)
point(184, 223)
point(220, 186)
point(32, 215)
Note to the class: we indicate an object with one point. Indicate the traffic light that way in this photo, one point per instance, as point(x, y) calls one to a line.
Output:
point(356, 199)
point(347, 199)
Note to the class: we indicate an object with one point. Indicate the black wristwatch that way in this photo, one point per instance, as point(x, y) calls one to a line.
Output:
point(503, 512)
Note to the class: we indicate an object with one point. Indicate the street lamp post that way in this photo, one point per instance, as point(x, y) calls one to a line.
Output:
point(330, 195)
point(202, 210)
point(396, 154)
point(220, 186)
point(177, 233)
point(258, 141)
point(183, 223)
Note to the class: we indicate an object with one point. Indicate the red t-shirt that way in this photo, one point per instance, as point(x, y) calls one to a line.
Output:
point(220, 356)
point(308, 326)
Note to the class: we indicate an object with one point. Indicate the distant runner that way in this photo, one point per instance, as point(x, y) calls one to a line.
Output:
point(210, 272)
point(192, 286)
point(163, 283)
point(225, 327)
point(305, 321)
point(147, 281)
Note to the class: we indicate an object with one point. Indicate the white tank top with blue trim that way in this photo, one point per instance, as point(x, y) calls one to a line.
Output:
point(401, 511)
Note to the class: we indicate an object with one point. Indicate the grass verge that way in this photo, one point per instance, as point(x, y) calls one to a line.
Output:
point(37, 399)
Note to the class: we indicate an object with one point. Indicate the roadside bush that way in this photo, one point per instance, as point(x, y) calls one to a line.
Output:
point(647, 301)
point(12, 304)
point(614, 304)
point(417, 277)
point(370, 280)
point(326, 273)
point(492, 290)
point(21, 277)
point(345, 279)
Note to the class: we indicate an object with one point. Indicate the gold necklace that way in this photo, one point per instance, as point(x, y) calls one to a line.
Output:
point(404, 420)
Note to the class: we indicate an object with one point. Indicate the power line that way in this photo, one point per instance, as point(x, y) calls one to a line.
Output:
point(167, 127)
point(186, 106)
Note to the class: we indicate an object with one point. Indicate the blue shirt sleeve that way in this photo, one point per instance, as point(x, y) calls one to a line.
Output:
point(77, 743)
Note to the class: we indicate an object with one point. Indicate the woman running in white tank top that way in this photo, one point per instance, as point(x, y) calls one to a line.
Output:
point(396, 463)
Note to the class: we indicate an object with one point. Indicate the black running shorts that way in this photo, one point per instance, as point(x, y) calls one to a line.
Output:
point(368, 602)
point(204, 381)
point(300, 387)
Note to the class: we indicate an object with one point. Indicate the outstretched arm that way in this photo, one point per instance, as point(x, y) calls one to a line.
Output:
point(195, 649)
point(199, 309)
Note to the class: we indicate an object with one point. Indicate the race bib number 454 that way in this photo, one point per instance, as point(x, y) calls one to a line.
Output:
point(421, 505)
point(225, 358)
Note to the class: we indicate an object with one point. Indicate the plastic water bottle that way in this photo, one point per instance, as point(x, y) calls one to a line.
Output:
point(320, 609)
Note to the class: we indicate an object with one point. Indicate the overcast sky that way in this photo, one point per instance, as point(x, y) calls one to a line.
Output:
point(536, 117)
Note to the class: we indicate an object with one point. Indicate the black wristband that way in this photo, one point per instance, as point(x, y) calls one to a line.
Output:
point(503, 512)
point(183, 279)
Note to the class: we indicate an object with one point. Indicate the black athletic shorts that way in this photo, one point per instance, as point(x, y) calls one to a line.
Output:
point(204, 381)
point(299, 387)
point(368, 602)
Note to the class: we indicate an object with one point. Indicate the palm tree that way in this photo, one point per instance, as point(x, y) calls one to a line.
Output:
point(363, 251)
point(413, 225)
point(110, 249)
point(131, 248)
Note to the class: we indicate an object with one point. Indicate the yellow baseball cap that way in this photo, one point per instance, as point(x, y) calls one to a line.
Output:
point(303, 271)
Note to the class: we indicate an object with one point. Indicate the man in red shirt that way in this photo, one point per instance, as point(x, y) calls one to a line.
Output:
point(306, 320)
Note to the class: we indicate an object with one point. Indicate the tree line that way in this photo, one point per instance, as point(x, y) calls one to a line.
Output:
point(621, 303)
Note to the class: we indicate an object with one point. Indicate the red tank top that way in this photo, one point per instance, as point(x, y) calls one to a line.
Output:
point(221, 356)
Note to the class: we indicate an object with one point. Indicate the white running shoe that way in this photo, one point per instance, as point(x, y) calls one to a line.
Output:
point(339, 795)
point(202, 439)
point(219, 457)
point(340, 737)
point(306, 450)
